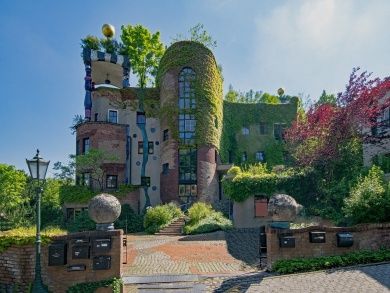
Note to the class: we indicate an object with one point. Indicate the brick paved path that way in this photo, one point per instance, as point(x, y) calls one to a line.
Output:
point(163, 255)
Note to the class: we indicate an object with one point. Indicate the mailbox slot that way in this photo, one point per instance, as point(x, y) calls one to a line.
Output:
point(80, 241)
point(57, 254)
point(317, 237)
point(344, 239)
point(286, 241)
point(102, 262)
point(101, 245)
point(80, 251)
point(76, 268)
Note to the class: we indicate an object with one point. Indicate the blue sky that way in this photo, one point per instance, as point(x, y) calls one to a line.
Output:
point(304, 46)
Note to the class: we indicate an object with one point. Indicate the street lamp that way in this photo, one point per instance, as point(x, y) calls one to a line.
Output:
point(38, 168)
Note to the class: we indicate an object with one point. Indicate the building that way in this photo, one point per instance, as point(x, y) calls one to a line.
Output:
point(175, 141)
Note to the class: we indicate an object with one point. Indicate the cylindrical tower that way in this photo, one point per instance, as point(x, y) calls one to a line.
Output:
point(191, 122)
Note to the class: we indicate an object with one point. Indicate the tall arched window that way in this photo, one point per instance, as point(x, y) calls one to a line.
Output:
point(187, 126)
point(187, 103)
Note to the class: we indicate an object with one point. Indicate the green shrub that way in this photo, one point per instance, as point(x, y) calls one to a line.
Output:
point(296, 265)
point(383, 161)
point(160, 216)
point(91, 287)
point(199, 211)
point(369, 200)
point(81, 223)
point(203, 219)
point(129, 221)
point(26, 236)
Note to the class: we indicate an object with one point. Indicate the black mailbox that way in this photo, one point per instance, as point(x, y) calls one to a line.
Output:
point(102, 262)
point(57, 254)
point(287, 241)
point(317, 237)
point(344, 239)
point(101, 245)
point(82, 240)
point(80, 251)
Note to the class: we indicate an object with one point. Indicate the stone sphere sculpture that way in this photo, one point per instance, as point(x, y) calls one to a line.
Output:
point(104, 209)
point(283, 207)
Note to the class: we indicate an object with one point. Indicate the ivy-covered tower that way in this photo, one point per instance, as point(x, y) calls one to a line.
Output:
point(191, 108)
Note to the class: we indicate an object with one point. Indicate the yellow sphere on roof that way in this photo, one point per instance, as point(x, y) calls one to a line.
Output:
point(281, 91)
point(108, 30)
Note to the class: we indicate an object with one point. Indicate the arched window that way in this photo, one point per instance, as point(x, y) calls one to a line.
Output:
point(187, 103)
point(187, 126)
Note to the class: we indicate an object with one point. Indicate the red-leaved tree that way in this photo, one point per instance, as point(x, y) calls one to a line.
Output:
point(319, 138)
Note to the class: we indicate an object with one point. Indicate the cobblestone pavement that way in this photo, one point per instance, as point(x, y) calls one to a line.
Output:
point(365, 279)
point(163, 255)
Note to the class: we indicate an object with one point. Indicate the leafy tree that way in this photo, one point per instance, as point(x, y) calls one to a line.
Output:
point(65, 172)
point(51, 211)
point(77, 120)
point(111, 46)
point(93, 163)
point(369, 200)
point(269, 99)
point(250, 97)
point(198, 34)
point(144, 50)
point(232, 95)
point(12, 185)
point(326, 99)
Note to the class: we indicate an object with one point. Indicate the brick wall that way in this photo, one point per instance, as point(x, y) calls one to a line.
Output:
point(366, 236)
point(19, 264)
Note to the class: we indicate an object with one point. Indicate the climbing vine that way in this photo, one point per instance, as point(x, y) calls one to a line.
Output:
point(238, 115)
point(207, 86)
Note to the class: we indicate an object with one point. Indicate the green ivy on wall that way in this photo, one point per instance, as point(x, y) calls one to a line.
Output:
point(241, 184)
point(207, 86)
point(238, 115)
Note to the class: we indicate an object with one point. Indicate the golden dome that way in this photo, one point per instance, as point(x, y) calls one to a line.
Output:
point(280, 91)
point(108, 30)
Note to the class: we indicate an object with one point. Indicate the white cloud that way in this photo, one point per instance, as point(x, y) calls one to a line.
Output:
point(315, 43)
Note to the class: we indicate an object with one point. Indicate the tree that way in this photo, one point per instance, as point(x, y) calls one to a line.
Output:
point(93, 163)
point(198, 34)
point(320, 137)
point(90, 42)
point(12, 185)
point(369, 200)
point(250, 97)
point(326, 99)
point(65, 172)
point(269, 99)
point(144, 50)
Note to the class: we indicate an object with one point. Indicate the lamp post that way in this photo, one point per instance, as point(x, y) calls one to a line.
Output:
point(38, 168)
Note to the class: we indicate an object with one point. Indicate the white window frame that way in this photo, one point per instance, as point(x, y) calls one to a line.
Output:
point(117, 115)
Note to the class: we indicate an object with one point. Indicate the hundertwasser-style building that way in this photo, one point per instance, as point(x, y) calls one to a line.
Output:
point(175, 141)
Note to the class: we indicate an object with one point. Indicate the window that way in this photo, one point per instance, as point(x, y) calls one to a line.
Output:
point(186, 90)
point(187, 165)
point(261, 208)
point(150, 147)
point(96, 116)
point(145, 181)
point(77, 147)
point(244, 157)
point(86, 179)
point(165, 135)
point(86, 145)
point(187, 102)
point(70, 214)
point(111, 181)
point(263, 128)
point(141, 119)
point(165, 168)
point(140, 147)
point(279, 130)
point(187, 192)
point(187, 124)
point(245, 131)
point(112, 116)
point(260, 156)
point(230, 154)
